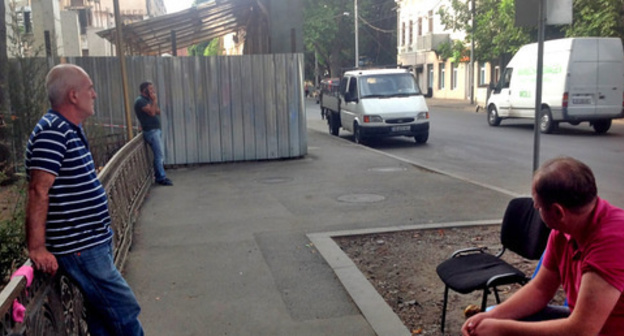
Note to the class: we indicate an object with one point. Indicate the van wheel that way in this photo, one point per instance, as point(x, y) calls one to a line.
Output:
point(546, 124)
point(357, 134)
point(422, 138)
point(492, 116)
point(602, 126)
point(334, 129)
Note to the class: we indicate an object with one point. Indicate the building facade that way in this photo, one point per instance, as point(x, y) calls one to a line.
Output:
point(420, 33)
point(68, 27)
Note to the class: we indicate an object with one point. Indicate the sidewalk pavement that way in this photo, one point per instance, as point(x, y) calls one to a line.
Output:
point(228, 250)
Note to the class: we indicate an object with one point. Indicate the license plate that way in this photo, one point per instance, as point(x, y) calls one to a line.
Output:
point(400, 128)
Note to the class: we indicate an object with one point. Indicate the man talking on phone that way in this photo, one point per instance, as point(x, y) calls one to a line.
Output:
point(148, 113)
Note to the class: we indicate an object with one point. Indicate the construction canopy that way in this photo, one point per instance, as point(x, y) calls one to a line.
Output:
point(186, 28)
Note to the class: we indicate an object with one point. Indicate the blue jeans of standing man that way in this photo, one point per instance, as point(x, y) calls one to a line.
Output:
point(154, 139)
point(112, 308)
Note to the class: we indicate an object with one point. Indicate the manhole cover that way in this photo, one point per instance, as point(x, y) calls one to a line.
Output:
point(387, 169)
point(361, 198)
point(275, 180)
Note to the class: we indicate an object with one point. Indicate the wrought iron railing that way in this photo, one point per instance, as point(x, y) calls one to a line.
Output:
point(54, 305)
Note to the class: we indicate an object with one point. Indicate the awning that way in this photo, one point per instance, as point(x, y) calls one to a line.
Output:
point(191, 26)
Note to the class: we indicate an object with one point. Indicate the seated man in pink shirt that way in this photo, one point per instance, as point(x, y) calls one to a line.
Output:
point(585, 255)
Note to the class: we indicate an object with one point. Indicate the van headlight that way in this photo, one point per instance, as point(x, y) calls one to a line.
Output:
point(372, 118)
point(423, 116)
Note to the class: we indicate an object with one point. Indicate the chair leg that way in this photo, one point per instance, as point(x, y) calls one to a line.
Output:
point(484, 302)
point(496, 295)
point(444, 308)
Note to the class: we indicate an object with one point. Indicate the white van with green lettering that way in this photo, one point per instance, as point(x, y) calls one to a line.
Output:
point(583, 80)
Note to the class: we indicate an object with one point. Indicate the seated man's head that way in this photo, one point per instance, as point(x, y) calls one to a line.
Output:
point(563, 185)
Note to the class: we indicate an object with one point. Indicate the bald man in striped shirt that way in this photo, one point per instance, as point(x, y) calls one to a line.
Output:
point(67, 217)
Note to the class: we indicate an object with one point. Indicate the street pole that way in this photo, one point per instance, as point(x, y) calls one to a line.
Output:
point(316, 70)
point(472, 44)
point(541, 17)
point(122, 62)
point(355, 18)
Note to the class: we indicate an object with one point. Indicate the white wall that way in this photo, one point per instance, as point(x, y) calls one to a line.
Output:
point(71, 33)
point(97, 45)
point(46, 15)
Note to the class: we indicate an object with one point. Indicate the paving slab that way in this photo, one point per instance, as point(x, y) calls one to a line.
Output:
point(225, 251)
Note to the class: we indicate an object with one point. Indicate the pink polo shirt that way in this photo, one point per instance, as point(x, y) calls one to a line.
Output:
point(602, 253)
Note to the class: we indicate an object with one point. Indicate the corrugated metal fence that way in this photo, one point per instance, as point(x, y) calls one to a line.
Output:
point(214, 109)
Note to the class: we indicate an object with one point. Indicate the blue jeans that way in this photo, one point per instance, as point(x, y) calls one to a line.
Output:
point(154, 139)
point(112, 308)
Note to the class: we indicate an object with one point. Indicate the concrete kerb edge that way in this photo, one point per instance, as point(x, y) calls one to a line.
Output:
point(370, 303)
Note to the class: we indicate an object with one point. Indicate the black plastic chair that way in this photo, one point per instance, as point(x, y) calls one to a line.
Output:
point(522, 232)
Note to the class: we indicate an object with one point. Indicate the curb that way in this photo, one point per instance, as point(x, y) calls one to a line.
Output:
point(371, 304)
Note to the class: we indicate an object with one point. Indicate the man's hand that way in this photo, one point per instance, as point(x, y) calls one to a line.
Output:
point(44, 261)
point(470, 326)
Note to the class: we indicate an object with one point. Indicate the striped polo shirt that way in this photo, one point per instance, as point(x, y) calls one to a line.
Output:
point(78, 216)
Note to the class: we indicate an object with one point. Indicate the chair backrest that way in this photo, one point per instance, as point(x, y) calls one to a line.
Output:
point(523, 230)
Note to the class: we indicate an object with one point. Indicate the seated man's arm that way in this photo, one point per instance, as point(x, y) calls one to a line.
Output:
point(527, 301)
point(596, 300)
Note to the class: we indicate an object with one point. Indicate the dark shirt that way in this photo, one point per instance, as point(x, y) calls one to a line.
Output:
point(148, 122)
point(78, 216)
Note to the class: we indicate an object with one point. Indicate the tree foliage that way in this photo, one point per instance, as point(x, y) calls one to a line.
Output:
point(597, 18)
point(494, 32)
point(496, 36)
point(328, 31)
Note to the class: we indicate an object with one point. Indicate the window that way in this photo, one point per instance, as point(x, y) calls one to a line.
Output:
point(441, 79)
point(353, 91)
point(430, 79)
point(431, 21)
point(507, 78)
point(403, 33)
point(482, 74)
point(419, 26)
point(411, 32)
point(496, 74)
point(454, 77)
point(84, 17)
point(27, 21)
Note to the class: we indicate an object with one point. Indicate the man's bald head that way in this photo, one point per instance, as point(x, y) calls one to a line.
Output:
point(61, 80)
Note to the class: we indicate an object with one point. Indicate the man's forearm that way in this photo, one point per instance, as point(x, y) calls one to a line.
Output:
point(36, 214)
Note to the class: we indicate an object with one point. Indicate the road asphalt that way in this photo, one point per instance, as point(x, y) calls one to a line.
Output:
point(247, 249)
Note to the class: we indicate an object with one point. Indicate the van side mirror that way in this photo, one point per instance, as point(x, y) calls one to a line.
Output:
point(429, 93)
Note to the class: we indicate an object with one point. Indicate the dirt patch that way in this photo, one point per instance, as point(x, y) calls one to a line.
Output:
point(401, 266)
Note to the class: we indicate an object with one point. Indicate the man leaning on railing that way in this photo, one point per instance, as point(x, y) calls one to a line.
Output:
point(67, 216)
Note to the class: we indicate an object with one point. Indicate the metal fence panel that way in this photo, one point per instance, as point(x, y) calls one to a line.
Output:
point(237, 87)
point(270, 105)
point(213, 109)
point(259, 106)
point(247, 98)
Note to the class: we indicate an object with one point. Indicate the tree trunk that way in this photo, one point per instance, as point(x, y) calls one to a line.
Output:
point(4, 94)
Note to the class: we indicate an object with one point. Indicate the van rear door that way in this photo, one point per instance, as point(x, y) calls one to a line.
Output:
point(610, 81)
point(582, 84)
